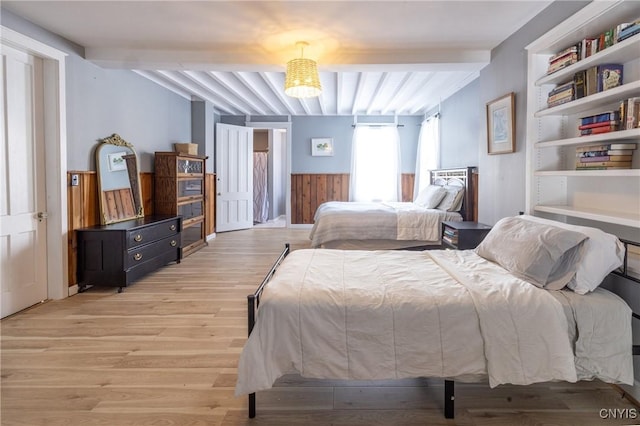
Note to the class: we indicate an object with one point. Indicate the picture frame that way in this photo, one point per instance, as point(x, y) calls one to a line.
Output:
point(501, 125)
point(116, 162)
point(322, 147)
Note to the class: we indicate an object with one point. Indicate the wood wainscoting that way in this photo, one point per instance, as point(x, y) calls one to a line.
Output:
point(308, 191)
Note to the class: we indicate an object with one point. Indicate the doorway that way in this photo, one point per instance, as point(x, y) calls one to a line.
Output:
point(272, 142)
point(269, 190)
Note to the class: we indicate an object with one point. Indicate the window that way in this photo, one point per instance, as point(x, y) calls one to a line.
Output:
point(428, 156)
point(375, 164)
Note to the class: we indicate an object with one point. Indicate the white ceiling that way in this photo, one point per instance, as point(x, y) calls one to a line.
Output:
point(374, 57)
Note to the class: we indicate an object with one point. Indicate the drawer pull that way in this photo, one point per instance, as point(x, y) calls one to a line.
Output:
point(137, 256)
point(174, 243)
point(137, 238)
point(172, 227)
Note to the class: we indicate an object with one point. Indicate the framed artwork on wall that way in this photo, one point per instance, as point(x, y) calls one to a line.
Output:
point(501, 125)
point(322, 147)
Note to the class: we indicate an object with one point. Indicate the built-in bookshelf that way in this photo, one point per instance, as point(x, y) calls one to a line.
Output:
point(554, 184)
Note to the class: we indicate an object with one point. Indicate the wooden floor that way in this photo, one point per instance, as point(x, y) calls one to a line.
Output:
point(164, 352)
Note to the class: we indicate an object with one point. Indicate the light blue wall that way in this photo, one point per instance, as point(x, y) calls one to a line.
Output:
point(340, 128)
point(459, 127)
point(501, 190)
point(101, 102)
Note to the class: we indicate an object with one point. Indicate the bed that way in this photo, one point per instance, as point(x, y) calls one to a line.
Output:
point(366, 226)
point(470, 315)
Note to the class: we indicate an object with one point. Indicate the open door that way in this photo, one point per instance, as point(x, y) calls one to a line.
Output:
point(234, 177)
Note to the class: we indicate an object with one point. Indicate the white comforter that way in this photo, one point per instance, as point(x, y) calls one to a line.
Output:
point(390, 315)
point(338, 220)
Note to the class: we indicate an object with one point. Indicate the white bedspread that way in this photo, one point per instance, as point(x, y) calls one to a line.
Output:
point(339, 220)
point(388, 315)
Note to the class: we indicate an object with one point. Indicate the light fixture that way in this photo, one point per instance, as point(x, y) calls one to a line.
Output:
point(302, 80)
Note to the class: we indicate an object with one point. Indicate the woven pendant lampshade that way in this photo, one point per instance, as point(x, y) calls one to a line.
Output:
point(302, 80)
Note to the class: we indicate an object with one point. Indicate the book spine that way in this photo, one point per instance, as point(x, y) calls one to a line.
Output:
point(626, 164)
point(606, 147)
point(602, 117)
point(598, 124)
point(598, 130)
point(603, 158)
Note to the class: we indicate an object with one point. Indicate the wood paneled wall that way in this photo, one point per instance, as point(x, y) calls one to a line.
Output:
point(308, 191)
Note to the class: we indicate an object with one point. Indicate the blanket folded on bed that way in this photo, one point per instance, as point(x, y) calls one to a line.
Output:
point(388, 315)
point(415, 222)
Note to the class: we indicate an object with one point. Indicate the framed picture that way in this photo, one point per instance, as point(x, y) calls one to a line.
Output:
point(116, 162)
point(501, 125)
point(322, 147)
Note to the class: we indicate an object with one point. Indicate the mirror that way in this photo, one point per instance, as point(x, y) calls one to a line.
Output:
point(118, 181)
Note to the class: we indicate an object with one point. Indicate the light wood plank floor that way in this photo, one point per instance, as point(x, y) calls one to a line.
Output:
point(164, 352)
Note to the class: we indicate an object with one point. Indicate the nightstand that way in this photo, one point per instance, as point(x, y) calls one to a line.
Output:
point(463, 235)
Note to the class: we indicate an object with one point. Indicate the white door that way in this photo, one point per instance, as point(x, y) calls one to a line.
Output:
point(23, 253)
point(234, 177)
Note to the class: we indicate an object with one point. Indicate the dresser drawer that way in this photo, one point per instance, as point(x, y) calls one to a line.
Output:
point(144, 253)
point(153, 232)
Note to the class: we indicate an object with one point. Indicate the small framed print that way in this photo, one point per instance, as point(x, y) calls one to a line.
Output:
point(117, 162)
point(322, 147)
point(501, 126)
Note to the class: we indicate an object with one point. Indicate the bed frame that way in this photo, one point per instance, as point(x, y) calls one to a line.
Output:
point(253, 303)
point(460, 177)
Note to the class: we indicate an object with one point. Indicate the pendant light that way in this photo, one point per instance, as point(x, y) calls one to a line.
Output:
point(302, 80)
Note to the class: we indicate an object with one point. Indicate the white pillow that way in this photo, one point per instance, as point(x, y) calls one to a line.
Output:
point(430, 196)
point(600, 254)
point(541, 254)
point(452, 201)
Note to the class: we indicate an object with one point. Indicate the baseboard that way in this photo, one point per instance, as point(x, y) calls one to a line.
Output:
point(211, 237)
point(73, 290)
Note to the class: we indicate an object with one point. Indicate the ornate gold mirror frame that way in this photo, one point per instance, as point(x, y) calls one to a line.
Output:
point(118, 181)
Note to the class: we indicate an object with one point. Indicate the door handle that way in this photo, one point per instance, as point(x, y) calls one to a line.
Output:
point(42, 215)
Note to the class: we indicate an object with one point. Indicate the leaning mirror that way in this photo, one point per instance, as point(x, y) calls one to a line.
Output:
point(118, 181)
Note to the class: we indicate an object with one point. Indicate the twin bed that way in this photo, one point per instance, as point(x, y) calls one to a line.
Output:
point(524, 312)
point(366, 226)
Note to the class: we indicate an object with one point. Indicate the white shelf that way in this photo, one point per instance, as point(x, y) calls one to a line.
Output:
point(616, 53)
point(593, 214)
point(592, 139)
point(596, 100)
point(590, 173)
point(550, 189)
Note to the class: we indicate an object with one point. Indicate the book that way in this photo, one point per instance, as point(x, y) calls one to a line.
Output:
point(610, 152)
point(591, 82)
point(601, 117)
point(619, 152)
point(561, 95)
point(608, 76)
point(598, 130)
point(606, 147)
point(561, 88)
point(631, 113)
point(606, 158)
point(579, 83)
point(599, 124)
point(625, 164)
point(629, 31)
point(571, 49)
point(602, 168)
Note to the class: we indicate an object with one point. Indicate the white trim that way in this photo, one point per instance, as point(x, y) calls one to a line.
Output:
point(56, 156)
point(287, 126)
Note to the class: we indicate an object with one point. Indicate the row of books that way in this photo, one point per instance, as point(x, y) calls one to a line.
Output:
point(605, 156)
point(587, 82)
point(627, 117)
point(591, 45)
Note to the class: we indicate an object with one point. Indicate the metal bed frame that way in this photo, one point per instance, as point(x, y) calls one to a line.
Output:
point(253, 303)
point(461, 177)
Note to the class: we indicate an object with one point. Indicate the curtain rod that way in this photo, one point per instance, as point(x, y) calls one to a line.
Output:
point(377, 125)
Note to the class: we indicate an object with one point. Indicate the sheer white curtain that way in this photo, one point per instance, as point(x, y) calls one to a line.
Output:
point(375, 164)
point(428, 156)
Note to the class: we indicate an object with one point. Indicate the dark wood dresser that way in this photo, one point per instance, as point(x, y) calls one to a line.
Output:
point(118, 254)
